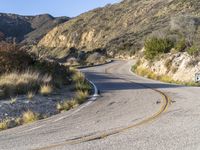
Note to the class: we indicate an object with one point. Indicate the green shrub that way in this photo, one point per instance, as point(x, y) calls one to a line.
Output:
point(180, 45)
point(155, 46)
point(193, 51)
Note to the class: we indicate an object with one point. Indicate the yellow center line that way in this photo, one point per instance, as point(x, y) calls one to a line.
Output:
point(100, 135)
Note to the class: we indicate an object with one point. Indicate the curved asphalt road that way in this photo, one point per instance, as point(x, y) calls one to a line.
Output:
point(131, 113)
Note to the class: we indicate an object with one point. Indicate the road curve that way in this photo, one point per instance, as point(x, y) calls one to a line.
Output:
point(131, 113)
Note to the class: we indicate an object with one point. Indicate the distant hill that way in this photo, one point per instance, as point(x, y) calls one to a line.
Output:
point(27, 29)
point(123, 27)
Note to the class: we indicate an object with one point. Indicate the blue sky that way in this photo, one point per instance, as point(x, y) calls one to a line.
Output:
point(69, 8)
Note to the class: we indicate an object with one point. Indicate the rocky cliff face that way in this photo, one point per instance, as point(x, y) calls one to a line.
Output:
point(27, 29)
point(120, 27)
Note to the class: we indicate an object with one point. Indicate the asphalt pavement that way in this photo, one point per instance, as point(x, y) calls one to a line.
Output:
point(131, 113)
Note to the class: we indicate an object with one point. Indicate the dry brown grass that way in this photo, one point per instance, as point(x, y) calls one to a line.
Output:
point(81, 96)
point(29, 117)
point(80, 81)
point(13, 100)
point(4, 124)
point(78, 77)
point(20, 83)
point(165, 78)
point(19, 121)
point(30, 95)
point(46, 89)
point(67, 105)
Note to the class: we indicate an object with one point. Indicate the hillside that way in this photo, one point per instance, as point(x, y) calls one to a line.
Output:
point(27, 29)
point(123, 27)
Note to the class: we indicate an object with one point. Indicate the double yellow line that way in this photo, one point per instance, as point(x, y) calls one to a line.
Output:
point(100, 135)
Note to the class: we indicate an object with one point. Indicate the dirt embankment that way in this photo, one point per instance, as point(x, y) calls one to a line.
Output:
point(179, 67)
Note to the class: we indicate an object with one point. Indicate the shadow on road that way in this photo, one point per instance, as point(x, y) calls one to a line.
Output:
point(108, 82)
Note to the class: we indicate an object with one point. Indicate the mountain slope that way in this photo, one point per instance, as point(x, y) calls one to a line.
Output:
point(28, 29)
point(119, 27)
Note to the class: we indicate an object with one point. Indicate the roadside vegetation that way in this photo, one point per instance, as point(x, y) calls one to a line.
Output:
point(181, 36)
point(46, 89)
point(22, 73)
point(4, 124)
point(155, 46)
point(164, 78)
point(29, 117)
point(82, 88)
point(30, 95)
point(77, 58)
point(15, 83)
point(180, 41)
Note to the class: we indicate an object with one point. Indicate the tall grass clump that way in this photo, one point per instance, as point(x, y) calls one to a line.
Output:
point(81, 96)
point(20, 83)
point(66, 105)
point(30, 95)
point(46, 89)
point(9, 123)
point(78, 77)
point(21, 72)
point(29, 117)
point(13, 100)
point(4, 124)
point(81, 84)
point(82, 88)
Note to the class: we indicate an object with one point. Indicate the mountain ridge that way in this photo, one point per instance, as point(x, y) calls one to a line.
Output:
point(27, 29)
point(121, 27)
